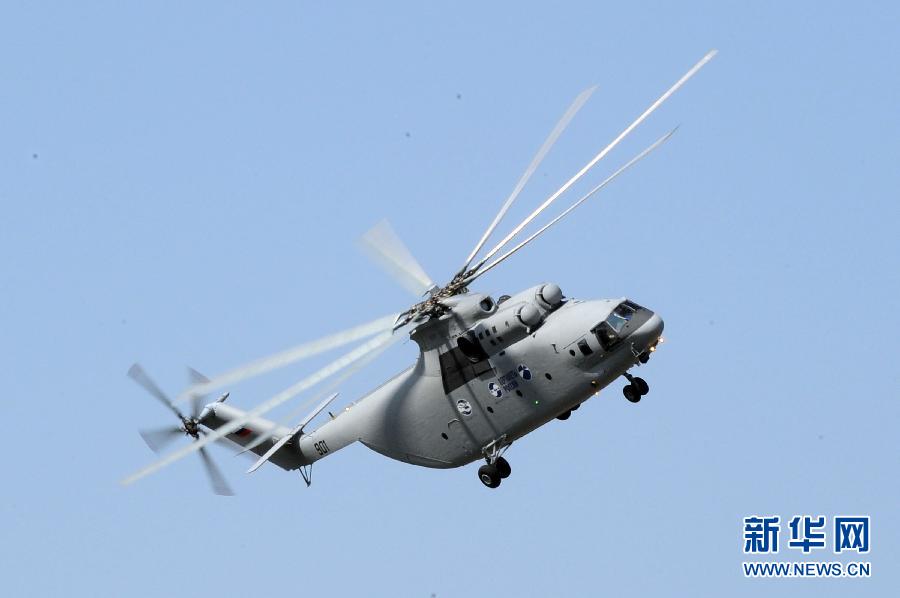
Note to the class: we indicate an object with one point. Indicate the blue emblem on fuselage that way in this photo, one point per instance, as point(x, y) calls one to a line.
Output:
point(524, 371)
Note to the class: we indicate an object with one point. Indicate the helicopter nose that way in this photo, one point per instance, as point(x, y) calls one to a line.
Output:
point(648, 333)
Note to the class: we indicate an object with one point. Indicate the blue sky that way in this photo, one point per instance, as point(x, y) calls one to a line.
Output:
point(185, 185)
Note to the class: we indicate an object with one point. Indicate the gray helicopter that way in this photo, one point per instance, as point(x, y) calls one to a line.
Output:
point(489, 370)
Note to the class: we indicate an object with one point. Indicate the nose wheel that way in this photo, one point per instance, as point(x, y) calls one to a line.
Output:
point(635, 389)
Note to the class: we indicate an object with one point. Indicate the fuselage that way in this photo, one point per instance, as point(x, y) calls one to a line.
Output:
point(488, 373)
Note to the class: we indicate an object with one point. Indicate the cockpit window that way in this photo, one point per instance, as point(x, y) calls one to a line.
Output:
point(610, 331)
point(620, 316)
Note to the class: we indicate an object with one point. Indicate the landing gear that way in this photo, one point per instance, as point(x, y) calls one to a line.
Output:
point(503, 467)
point(497, 468)
point(631, 393)
point(568, 412)
point(489, 475)
point(641, 385)
point(635, 389)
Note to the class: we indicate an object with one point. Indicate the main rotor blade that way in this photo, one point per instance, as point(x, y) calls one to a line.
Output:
point(293, 355)
point(327, 389)
point(386, 249)
point(342, 362)
point(584, 198)
point(137, 373)
point(535, 162)
point(297, 430)
point(693, 70)
point(158, 438)
point(220, 486)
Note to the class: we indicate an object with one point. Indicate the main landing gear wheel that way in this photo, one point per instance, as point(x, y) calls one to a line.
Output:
point(503, 467)
point(631, 393)
point(564, 415)
point(642, 387)
point(490, 475)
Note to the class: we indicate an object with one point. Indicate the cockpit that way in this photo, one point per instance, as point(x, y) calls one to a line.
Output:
point(624, 319)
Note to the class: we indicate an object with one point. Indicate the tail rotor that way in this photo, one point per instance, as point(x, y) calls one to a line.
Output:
point(159, 438)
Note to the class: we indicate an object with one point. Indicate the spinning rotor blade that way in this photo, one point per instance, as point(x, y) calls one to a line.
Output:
point(284, 358)
point(386, 249)
point(584, 198)
point(298, 429)
point(599, 156)
point(137, 373)
point(196, 377)
point(330, 387)
point(220, 486)
point(535, 162)
point(342, 362)
point(158, 438)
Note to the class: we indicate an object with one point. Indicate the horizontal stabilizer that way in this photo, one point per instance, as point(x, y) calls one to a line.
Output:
point(296, 432)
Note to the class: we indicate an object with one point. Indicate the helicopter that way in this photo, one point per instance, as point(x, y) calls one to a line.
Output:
point(489, 371)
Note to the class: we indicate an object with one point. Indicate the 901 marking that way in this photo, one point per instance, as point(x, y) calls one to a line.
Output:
point(321, 447)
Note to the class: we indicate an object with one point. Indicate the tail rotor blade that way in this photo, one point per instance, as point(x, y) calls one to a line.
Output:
point(137, 373)
point(158, 438)
point(196, 377)
point(220, 486)
point(386, 249)
point(343, 362)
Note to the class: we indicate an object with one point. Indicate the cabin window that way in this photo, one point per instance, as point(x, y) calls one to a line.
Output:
point(584, 347)
point(606, 336)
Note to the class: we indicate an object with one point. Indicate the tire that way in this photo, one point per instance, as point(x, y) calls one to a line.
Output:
point(631, 393)
point(564, 415)
point(503, 467)
point(489, 476)
point(642, 386)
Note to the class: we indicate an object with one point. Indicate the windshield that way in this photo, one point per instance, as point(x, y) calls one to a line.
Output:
point(619, 317)
point(609, 331)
